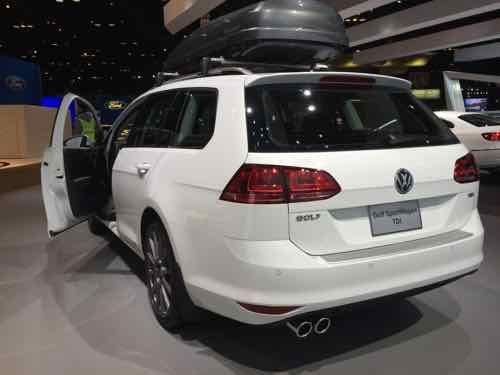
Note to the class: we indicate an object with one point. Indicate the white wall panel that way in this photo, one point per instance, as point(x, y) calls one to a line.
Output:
point(348, 8)
point(418, 17)
point(483, 52)
point(470, 34)
point(179, 14)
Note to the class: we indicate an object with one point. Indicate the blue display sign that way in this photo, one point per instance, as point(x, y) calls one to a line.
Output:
point(19, 82)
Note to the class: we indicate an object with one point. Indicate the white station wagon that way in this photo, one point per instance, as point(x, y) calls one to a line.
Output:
point(266, 198)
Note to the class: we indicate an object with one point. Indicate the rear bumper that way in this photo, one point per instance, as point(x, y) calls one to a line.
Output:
point(487, 158)
point(277, 273)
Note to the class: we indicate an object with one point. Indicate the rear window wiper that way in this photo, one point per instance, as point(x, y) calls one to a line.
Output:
point(385, 125)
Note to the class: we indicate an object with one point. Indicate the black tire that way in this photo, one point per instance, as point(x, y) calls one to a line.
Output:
point(168, 296)
point(96, 227)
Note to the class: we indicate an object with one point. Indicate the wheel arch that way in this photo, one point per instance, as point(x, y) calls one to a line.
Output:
point(149, 214)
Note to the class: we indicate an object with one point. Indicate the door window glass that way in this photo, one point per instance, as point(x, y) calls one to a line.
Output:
point(81, 127)
point(161, 119)
point(127, 133)
point(198, 120)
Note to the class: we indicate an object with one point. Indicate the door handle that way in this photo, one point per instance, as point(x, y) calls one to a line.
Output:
point(143, 169)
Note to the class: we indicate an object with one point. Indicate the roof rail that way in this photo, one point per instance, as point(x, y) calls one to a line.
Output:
point(207, 63)
point(213, 66)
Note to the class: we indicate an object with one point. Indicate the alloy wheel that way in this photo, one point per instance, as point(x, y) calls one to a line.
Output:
point(158, 273)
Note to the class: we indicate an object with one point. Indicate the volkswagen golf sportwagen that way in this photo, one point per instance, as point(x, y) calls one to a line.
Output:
point(267, 197)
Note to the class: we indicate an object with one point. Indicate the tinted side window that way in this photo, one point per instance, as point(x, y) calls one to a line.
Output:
point(128, 131)
point(159, 123)
point(197, 123)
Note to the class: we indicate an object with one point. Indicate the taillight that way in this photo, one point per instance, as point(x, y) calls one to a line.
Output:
point(268, 310)
point(466, 169)
point(267, 184)
point(494, 137)
point(348, 79)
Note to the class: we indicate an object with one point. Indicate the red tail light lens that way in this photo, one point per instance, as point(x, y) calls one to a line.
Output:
point(466, 169)
point(267, 184)
point(347, 79)
point(494, 137)
point(268, 310)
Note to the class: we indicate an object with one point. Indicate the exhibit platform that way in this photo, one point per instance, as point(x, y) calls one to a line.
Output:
point(19, 173)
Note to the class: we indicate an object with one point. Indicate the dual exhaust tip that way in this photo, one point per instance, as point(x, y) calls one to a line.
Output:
point(304, 328)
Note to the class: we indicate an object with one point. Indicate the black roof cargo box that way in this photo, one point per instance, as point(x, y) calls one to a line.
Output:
point(292, 32)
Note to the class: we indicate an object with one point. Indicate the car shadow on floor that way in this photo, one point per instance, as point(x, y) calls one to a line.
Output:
point(356, 331)
point(489, 191)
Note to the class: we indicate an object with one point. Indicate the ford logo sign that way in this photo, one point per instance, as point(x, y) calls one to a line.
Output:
point(15, 83)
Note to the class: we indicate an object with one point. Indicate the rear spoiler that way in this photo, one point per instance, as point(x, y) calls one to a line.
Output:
point(340, 78)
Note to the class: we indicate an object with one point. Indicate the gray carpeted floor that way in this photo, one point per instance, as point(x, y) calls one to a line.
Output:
point(76, 305)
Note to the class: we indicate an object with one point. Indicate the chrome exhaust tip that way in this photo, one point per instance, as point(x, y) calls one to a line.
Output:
point(322, 325)
point(301, 330)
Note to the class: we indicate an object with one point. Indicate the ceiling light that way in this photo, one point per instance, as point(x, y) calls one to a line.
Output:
point(59, 1)
point(8, 6)
point(112, 25)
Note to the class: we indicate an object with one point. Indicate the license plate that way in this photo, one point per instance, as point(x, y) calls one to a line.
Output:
point(395, 217)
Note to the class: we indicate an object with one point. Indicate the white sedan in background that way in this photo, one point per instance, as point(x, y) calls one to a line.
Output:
point(480, 132)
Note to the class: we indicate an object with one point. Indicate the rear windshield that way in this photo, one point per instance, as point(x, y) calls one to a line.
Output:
point(288, 118)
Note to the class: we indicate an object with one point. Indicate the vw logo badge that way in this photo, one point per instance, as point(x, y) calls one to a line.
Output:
point(403, 181)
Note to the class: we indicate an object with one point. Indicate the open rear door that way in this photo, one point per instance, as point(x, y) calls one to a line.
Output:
point(69, 179)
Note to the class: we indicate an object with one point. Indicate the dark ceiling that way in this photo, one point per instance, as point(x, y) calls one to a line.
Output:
point(106, 46)
point(87, 45)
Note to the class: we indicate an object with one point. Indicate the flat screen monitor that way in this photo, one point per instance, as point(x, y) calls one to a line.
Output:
point(476, 104)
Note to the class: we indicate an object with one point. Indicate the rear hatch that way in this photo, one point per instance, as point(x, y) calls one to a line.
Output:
point(393, 160)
